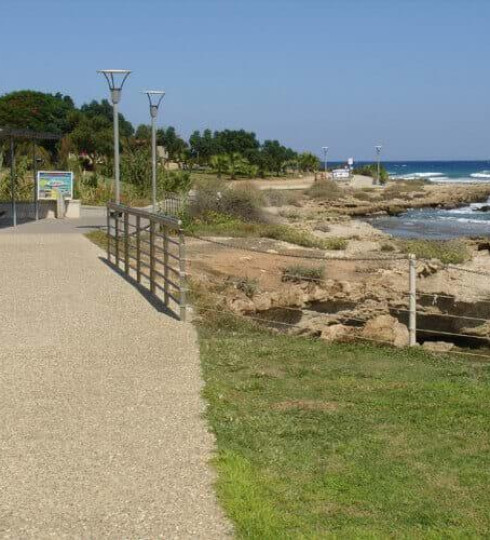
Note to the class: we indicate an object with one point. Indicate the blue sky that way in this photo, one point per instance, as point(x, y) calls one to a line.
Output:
point(411, 74)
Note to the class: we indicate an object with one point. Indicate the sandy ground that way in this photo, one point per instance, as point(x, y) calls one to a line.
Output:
point(305, 182)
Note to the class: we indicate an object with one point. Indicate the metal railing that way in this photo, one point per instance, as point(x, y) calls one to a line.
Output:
point(150, 248)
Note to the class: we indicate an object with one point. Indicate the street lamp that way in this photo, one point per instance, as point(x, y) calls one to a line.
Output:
point(115, 79)
point(378, 154)
point(154, 98)
point(325, 152)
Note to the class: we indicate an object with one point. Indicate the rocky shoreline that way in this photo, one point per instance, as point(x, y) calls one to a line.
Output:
point(364, 292)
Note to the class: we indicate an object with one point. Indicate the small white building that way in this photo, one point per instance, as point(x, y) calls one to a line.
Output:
point(341, 174)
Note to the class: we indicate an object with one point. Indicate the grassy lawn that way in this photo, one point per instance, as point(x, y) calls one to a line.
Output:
point(346, 441)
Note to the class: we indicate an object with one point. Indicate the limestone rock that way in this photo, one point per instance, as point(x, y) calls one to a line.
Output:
point(262, 302)
point(438, 346)
point(241, 304)
point(386, 328)
point(337, 332)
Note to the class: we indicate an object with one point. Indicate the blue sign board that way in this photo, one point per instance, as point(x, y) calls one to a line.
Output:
point(49, 183)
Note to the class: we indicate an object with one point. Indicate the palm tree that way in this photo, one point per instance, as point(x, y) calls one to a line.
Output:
point(219, 164)
point(236, 164)
point(308, 162)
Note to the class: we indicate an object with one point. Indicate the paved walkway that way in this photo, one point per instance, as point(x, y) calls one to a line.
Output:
point(101, 434)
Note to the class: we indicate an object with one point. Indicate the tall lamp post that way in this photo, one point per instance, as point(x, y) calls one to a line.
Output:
point(154, 98)
point(325, 152)
point(378, 156)
point(115, 79)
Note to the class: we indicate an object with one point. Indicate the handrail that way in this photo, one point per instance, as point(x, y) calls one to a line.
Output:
point(151, 229)
point(169, 221)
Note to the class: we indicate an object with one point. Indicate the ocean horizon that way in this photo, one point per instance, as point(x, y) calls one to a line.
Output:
point(433, 170)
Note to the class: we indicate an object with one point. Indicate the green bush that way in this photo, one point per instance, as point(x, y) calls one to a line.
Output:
point(298, 273)
point(174, 181)
point(372, 171)
point(215, 197)
point(387, 247)
point(448, 252)
point(245, 203)
point(248, 286)
point(326, 190)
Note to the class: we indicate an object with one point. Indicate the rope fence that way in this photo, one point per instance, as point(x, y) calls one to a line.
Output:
point(429, 316)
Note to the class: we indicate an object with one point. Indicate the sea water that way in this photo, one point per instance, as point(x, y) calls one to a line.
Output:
point(469, 220)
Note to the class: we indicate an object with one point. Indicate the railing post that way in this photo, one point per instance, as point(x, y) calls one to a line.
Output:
point(108, 234)
point(165, 264)
point(116, 225)
point(152, 256)
point(412, 323)
point(182, 277)
point(126, 243)
point(138, 249)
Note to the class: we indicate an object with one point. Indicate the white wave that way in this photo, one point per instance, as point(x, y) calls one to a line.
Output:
point(462, 180)
point(474, 221)
point(419, 176)
point(483, 174)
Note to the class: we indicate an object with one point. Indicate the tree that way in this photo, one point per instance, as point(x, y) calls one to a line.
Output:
point(275, 156)
point(203, 146)
point(37, 111)
point(219, 163)
point(308, 162)
point(143, 132)
point(104, 110)
point(173, 143)
point(236, 164)
point(91, 136)
point(241, 141)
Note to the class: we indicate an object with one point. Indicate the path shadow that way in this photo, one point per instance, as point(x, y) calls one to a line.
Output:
point(153, 300)
point(6, 222)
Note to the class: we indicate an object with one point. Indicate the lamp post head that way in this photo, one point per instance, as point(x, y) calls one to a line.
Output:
point(378, 148)
point(154, 98)
point(115, 79)
point(325, 149)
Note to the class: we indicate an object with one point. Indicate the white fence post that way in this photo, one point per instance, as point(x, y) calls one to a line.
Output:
point(412, 323)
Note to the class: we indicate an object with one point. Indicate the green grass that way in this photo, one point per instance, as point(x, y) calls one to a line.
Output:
point(98, 237)
point(448, 252)
point(241, 229)
point(346, 441)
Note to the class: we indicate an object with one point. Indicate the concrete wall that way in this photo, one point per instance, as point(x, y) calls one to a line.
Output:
point(47, 209)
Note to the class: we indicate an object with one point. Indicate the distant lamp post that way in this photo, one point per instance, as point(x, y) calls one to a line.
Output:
point(325, 152)
point(154, 98)
point(378, 156)
point(115, 79)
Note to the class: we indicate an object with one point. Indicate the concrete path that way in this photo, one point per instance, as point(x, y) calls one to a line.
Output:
point(101, 434)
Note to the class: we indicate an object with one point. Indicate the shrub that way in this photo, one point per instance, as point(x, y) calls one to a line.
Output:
point(387, 247)
point(326, 190)
point(175, 181)
point(448, 251)
point(245, 203)
point(372, 171)
point(279, 197)
point(298, 273)
point(362, 196)
point(335, 244)
point(248, 286)
point(216, 198)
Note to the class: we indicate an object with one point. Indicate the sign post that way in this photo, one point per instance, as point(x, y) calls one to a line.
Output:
point(52, 184)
